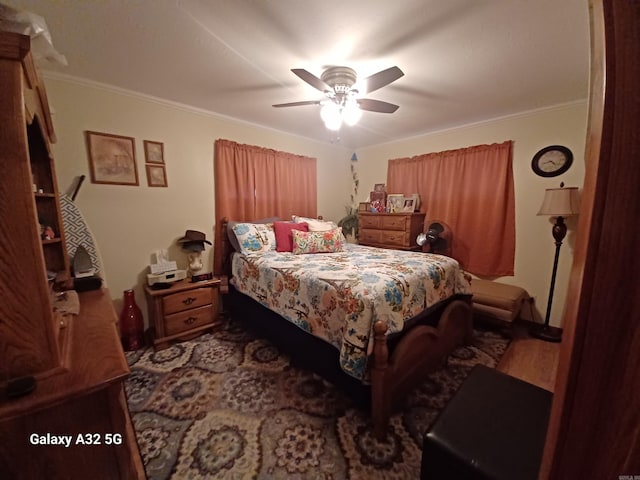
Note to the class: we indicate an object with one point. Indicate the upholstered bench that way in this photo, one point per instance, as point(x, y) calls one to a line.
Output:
point(497, 301)
point(494, 427)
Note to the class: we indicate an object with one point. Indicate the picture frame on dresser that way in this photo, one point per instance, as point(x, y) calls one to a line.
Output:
point(416, 201)
point(408, 205)
point(395, 203)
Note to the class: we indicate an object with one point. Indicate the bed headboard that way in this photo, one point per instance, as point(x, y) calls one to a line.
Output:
point(222, 254)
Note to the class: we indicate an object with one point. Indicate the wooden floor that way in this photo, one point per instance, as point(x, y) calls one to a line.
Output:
point(530, 359)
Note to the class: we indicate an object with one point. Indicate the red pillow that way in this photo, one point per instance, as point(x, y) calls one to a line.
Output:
point(284, 237)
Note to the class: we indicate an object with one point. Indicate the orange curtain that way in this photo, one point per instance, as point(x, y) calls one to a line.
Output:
point(471, 190)
point(254, 182)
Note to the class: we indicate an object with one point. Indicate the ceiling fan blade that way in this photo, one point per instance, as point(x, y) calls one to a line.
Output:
point(311, 79)
point(376, 105)
point(383, 78)
point(297, 104)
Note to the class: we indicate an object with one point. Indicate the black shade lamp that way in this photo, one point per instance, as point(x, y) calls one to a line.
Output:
point(558, 202)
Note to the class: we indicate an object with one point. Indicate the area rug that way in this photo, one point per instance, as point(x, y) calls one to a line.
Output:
point(230, 405)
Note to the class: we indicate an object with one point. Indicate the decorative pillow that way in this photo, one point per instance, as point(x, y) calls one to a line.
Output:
point(328, 241)
point(315, 225)
point(284, 234)
point(255, 237)
point(233, 240)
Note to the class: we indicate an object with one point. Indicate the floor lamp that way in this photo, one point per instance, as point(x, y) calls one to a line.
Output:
point(558, 202)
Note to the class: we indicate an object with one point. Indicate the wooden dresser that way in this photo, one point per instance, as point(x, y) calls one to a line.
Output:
point(390, 230)
point(183, 310)
point(75, 360)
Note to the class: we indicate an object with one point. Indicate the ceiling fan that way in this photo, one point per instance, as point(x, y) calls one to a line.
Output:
point(342, 102)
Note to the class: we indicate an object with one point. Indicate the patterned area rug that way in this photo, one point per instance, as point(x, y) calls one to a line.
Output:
point(230, 405)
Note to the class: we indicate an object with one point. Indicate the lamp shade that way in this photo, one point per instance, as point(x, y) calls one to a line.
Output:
point(560, 202)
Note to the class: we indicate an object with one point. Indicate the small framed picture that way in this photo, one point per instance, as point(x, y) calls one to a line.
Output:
point(112, 159)
point(156, 175)
point(395, 203)
point(379, 187)
point(416, 201)
point(153, 152)
point(364, 206)
point(408, 205)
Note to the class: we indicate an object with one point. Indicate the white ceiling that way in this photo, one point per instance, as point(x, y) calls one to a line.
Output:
point(464, 60)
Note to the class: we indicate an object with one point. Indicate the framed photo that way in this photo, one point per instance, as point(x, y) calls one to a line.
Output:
point(408, 205)
point(153, 152)
point(112, 159)
point(379, 187)
point(416, 200)
point(364, 206)
point(395, 203)
point(156, 175)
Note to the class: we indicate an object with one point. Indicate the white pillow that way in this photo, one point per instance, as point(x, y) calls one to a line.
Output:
point(315, 225)
point(255, 237)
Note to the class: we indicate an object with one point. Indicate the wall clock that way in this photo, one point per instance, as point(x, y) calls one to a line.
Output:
point(552, 161)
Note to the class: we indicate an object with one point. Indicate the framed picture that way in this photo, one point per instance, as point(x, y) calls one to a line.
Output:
point(156, 175)
point(364, 206)
point(408, 205)
point(416, 200)
point(153, 152)
point(379, 187)
point(395, 203)
point(112, 159)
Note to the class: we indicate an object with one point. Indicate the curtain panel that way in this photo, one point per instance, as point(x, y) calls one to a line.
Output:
point(254, 182)
point(471, 190)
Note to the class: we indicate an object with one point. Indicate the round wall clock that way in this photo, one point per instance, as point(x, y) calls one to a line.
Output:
point(552, 161)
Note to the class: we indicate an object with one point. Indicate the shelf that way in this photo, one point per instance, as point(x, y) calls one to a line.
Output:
point(45, 195)
point(53, 240)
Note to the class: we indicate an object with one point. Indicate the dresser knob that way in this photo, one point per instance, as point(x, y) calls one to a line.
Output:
point(189, 300)
point(190, 320)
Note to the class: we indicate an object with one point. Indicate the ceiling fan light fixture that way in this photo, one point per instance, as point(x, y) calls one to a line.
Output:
point(351, 113)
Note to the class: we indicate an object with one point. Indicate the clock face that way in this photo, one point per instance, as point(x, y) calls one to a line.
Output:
point(552, 161)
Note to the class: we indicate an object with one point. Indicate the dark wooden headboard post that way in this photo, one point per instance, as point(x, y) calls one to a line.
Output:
point(222, 255)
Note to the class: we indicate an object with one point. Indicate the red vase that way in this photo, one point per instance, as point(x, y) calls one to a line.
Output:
point(131, 323)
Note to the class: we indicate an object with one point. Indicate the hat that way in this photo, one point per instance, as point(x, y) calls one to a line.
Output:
point(193, 236)
point(193, 246)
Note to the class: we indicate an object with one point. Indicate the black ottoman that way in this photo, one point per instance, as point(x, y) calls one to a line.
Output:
point(494, 427)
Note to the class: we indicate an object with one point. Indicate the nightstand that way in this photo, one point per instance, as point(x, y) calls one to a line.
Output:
point(182, 311)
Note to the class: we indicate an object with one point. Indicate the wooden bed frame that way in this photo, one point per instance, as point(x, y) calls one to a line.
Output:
point(399, 364)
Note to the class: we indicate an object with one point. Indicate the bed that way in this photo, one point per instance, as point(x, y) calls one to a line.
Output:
point(372, 321)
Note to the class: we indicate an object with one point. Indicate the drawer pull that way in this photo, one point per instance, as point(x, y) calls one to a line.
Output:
point(190, 320)
point(189, 300)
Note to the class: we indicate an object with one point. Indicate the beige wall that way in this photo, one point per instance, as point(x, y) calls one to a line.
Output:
point(531, 131)
point(130, 222)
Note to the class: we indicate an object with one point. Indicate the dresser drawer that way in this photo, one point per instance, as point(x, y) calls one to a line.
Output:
point(394, 222)
point(369, 221)
point(369, 237)
point(181, 301)
point(395, 238)
point(184, 321)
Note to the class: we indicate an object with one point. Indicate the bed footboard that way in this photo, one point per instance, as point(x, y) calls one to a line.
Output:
point(421, 351)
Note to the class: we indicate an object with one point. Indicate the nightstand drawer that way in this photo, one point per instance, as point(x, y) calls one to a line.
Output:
point(183, 321)
point(181, 301)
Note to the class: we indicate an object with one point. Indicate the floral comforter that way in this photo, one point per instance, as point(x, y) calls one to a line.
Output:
point(339, 296)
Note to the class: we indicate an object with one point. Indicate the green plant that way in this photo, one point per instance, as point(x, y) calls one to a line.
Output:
point(349, 223)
